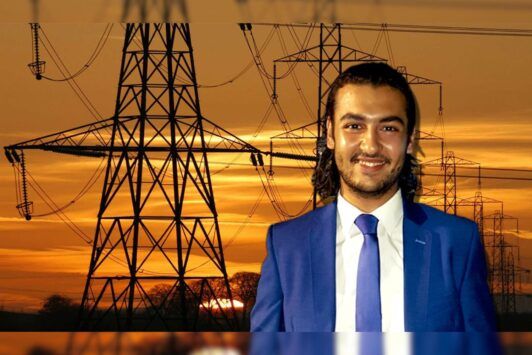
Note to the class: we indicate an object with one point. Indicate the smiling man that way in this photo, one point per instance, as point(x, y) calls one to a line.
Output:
point(373, 259)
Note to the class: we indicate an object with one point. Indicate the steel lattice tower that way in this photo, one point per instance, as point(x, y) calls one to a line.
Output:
point(478, 215)
point(157, 206)
point(502, 266)
point(448, 164)
point(159, 167)
point(331, 56)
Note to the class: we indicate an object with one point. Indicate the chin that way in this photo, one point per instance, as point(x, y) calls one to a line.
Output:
point(368, 188)
point(370, 193)
point(371, 190)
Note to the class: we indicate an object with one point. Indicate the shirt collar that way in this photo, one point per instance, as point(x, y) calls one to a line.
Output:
point(389, 214)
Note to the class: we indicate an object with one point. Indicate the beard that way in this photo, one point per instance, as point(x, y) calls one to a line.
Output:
point(374, 191)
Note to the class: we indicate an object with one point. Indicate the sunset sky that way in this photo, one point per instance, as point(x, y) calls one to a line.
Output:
point(486, 100)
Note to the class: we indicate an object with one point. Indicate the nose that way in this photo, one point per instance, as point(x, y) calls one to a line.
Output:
point(370, 143)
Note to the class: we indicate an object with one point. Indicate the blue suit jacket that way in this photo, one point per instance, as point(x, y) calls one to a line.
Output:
point(423, 343)
point(445, 285)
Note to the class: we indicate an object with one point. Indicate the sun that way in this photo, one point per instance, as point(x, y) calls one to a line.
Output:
point(222, 303)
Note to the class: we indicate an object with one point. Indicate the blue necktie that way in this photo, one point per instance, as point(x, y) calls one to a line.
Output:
point(368, 301)
point(371, 344)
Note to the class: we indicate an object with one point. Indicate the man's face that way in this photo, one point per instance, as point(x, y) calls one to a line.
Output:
point(369, 138)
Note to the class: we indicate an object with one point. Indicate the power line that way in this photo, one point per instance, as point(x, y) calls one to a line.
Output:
point(246, 68)
point(66, 73)
point(294, 145)
point(68, 222)
point(90, 183)
point(484, 177)
point(450, 30)
point(295, 80)
point(504, 34)
point(498, 169)
point(424, 167)
point(96, 52)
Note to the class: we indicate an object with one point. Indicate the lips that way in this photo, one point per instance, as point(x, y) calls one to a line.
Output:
point(371, 163)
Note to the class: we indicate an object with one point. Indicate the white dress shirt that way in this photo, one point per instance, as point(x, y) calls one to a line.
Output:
point(349, 343)
point(349, 242)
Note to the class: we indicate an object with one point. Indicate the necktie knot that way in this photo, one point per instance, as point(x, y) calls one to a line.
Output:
point(367, 223)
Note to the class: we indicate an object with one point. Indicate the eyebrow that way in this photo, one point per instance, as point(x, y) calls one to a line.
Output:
point(358, 117)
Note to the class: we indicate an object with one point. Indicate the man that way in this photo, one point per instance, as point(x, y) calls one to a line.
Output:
point(372, 260)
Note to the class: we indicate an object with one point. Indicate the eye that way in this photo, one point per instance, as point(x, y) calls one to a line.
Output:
point(352, 126)
point(390, 129)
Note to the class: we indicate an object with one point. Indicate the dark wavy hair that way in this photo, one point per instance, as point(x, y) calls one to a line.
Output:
point(326, 177)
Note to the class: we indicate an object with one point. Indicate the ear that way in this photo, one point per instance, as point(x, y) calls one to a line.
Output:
point(410, 146)
point(330, 134)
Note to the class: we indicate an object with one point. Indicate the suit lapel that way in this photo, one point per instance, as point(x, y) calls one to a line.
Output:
point(416, 259)
point(323, 265)
point(416, 255)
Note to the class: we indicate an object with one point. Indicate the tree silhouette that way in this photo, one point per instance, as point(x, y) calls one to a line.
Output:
point(166, 302)
point(244, 288)
point(59, 312)
point(163, 298)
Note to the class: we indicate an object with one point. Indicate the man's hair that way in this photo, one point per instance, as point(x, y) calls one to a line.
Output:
point(326, 178)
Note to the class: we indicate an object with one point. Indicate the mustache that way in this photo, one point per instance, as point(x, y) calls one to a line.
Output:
point(359, 156)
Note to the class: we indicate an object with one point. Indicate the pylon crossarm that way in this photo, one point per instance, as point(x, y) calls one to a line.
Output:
point(416, 79)
point(96, 134)
point(225, 137)
point(298, 133)
point(291, 156)
point(94, 140)
point(312, 54)
point(95, 150)
point(461, 161)
point(434, 162)
point(421, 135)
point(438, 162)
point(426, 192)
point(471, 200)
point(301, 56)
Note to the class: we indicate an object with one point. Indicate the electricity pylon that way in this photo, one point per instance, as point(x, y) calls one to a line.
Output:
point(448, 164)
point(328, 59)
point(157, 205)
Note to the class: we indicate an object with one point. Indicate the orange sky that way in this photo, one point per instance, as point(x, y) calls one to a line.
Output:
point(487, 109)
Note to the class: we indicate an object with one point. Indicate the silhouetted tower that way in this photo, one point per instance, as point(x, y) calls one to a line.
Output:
point(144, 10)
point(502, 266)
point(159, 166)
point(478, 214)
point(331, 57)
point(448, 164)
point(157, 207)
point(478, 203)
point(449, 183)
point(424, 191)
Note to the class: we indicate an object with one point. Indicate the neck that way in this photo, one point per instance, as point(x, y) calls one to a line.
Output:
point(364, 202)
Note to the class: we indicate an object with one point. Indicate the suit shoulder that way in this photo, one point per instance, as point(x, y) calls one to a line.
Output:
point(299, 227)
